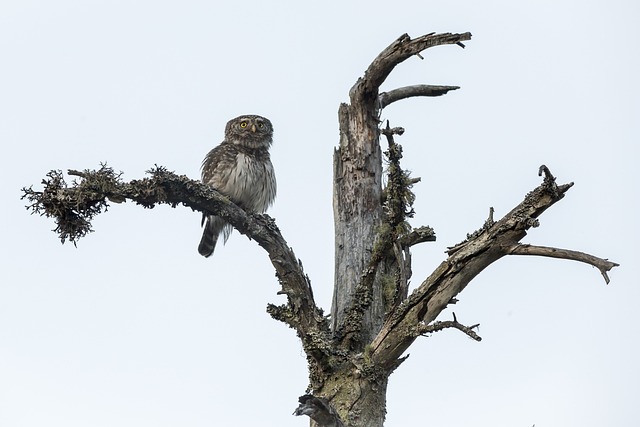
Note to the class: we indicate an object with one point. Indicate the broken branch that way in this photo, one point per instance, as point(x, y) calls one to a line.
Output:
point(601, 264)
point(418, 235)
point(319, 410)
point(386, 98)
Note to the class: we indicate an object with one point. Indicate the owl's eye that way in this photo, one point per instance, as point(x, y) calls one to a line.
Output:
point(243, 125)
point(260, 125)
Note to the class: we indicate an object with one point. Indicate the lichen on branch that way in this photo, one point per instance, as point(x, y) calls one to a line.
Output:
point(465, 261)
point(73, 207)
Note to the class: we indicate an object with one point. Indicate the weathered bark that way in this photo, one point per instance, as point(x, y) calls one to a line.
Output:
point(363, 271)
point(357, 194)
point(373, 319)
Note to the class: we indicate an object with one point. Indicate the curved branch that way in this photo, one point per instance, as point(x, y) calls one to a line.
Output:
point(400, 50)
point(418, 235)
point(386, 98)
point(73, 207)
point(601, 264)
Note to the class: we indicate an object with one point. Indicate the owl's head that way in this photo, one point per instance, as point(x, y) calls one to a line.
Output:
point(250, 131)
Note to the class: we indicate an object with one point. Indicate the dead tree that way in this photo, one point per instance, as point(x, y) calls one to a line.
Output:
point(374, 319)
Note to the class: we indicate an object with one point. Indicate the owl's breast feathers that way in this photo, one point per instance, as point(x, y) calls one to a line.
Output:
point(243, 174)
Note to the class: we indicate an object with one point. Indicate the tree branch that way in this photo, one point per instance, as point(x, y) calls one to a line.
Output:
point(418, 235)
point(319, 410)
point(466, 260)
point(400, 50)
point(73, 207)
point(386, 98)
point(423, 328)
point(601, 264)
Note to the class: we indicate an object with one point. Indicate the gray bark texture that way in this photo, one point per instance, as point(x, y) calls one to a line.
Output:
point(374, 319)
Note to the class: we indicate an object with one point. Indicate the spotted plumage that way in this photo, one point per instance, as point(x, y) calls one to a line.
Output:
point(240, 168)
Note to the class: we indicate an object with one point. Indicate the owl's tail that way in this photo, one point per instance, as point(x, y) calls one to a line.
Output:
point(213, 228)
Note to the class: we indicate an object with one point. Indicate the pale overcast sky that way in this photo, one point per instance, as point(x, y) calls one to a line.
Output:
point(134, 328)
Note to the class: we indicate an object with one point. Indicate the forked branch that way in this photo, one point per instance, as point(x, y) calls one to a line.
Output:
point(424, 329)
point(400, 50)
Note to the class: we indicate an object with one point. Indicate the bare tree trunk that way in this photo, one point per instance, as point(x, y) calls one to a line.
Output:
point(357, 207)
point(363, 271)
point(373, 318)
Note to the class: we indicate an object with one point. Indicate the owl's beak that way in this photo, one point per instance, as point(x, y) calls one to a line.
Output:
point(253, 128)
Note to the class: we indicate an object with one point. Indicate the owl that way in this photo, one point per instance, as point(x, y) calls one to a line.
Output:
point(240, 168)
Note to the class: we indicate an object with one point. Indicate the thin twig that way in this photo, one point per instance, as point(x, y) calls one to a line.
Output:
point(424, 329)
